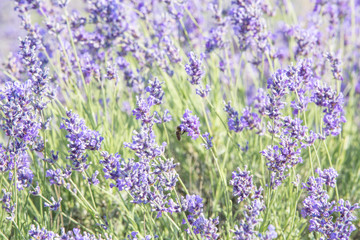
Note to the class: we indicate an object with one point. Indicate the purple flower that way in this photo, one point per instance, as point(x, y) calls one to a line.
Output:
point(293, 128)
point(165, 173)
point(208, 141)
point(62, 3)
point(233, 118)
point(129, 75)
point(194, 69)
point(301, 104)
point(24, 177)
point(149, 180)
point(80, 139)
point(282, 158)
point(24, 6)
point(142, 111)
point(132, 236)
point(54, 205)
point(190, 124)
point(222, 65)
point(144, 144)
point(205, 227)
point(19, 116)
point(36, 190)
point(76, 234)
point(58, 176)
point(248, 25)
point(215, 40)
point(357, 87)
point(328, 176)
point(166, 117)
point(193, 205)
point(6, 204)
point(334, 12)
point(171, 51)
point(270, 233)
point(111, 165)
point(260, 101)
point(42, 234)
point(155, 91)
point(335, 66)
point(22, 160)
point(146, 183)
point(246, 228)
point(332, 220)
point(93, 179)
point(249, 120)
point(294, 79)
point(243, 186)
point(6, 162)
point(332, 104)
point(203, 92)
point(307, 40)
point(53, 158)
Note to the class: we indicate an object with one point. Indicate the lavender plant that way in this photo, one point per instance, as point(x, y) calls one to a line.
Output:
point(162, 119)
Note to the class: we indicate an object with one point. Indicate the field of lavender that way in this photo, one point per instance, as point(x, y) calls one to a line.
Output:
point(179, 119)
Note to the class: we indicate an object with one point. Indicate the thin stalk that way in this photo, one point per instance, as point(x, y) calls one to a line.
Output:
point(329, 157)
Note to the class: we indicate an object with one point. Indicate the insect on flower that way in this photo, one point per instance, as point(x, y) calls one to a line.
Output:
point(179, 133)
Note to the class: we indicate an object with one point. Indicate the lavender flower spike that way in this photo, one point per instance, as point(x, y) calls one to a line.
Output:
point(243, 186)
point(208, 144)
point(194, 69)
point(80, 139)
point(54, 206)
point(332, 220)
point(190, 124)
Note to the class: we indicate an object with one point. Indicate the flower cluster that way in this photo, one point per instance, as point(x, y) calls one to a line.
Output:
point(249, 120)
point(335, 66)
point(332, 105)
point(193, 206)
point(307, 40)
point(299, 81)
point(80, 139)
point(331, 219)
point(190, 124)
point(295, 76)
point(335, 12)
point(75, 234)
point(58, 176)
point(244, 189)
point(248, 25)
point(6, 204)
point(140, 178)
point(215, 40)
point(282, 158)
point(195, 70)
point(54, 205)
point(133, 236)
point(21, 123)
point(151, 179)
point(243, 186)
point(208, 141)
point(20, 120)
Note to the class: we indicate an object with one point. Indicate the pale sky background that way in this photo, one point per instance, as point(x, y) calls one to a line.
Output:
point(10, 29)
